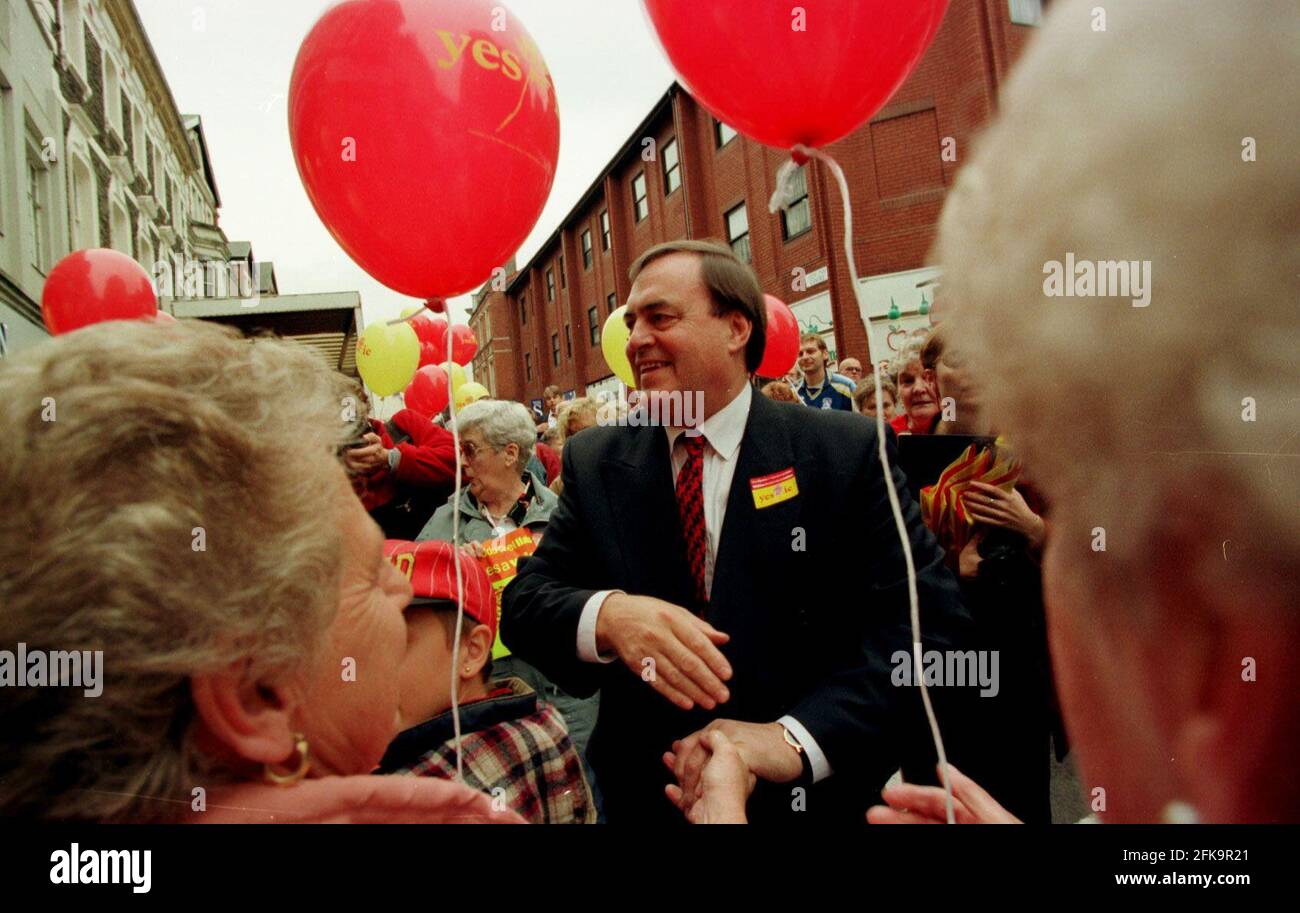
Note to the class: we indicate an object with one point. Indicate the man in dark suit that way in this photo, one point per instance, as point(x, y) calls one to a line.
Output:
point(744, 574)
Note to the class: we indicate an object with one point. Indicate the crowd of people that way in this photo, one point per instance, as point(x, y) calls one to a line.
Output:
point(304, 615)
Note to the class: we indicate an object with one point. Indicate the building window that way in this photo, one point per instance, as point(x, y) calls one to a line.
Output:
point(550, 285)
point(639, 201)
point(138, 141)
point(159, 180)
point(586, 249)
point(74, 35)
point(555, 349)
point(612, 303)
point(145, 250)
point(606, 238)
point(119, 227)
point(738, 231)
point(85, 205)
point(563, 283)
point(672, 167)
point(528, 367)
point(798, 218)
point(593, 326)
point(112, 93)
point(568, 343)
point(178, 208)
point(523, 310)
point(38, 203)
point(722, 134)
point(6, 94)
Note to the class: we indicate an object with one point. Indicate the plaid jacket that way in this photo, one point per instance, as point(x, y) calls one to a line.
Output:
point(515, 748)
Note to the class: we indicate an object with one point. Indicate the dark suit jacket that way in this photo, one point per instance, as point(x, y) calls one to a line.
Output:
point(812, 590)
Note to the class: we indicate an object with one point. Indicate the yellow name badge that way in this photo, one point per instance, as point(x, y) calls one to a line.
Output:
point(774, 488)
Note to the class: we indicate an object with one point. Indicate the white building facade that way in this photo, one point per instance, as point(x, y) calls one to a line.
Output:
point(93, 153)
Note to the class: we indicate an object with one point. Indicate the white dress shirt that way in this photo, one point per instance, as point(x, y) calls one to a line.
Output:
point(723, 432)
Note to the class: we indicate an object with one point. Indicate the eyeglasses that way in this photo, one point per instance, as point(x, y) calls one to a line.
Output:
point(470, 451)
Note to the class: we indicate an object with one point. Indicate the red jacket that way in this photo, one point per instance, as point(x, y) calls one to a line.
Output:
point(550, 459)
point(428, 459)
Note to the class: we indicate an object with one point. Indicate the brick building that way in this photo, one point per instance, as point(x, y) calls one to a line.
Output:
point(683, 174)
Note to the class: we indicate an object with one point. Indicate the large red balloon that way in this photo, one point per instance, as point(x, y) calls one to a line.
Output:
point(808, 73)
point(428, 391)
point(426, 133)
point(464, 344)
point(91, 286)
point(782, 345)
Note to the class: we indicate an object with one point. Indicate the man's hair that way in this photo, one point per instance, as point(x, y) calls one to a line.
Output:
point(866, 389)
point(552, 390)
point(165, 436)
point(731, 283)
point(814, 337)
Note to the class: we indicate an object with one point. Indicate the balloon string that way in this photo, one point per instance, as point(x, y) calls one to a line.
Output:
point(455, 545)
point(410, 317)
point(781, 198)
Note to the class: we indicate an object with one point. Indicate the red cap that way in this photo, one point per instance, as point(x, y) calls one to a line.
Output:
point(428, 566)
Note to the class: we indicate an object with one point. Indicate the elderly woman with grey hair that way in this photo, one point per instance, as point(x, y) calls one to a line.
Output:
point(496, 443)
point(177, 518)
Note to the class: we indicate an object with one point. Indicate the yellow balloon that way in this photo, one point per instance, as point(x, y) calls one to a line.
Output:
point(387, 357)
point(471, 392)
point(613, 342)
point(455, 374)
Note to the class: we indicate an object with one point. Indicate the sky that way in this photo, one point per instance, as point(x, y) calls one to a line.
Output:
point(229, 61)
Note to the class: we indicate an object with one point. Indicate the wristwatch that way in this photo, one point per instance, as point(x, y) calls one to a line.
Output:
point(793, 741)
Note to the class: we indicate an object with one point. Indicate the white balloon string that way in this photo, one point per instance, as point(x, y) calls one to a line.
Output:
point(455, 546)
point(782, 198)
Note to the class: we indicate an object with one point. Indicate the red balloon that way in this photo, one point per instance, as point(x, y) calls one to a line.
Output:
point(91, 286)
point(429, 329)
point(426, 134)
point(463, 344)
point(782, 345)
point(427, 393)
point(432, 333)
point(784, 75)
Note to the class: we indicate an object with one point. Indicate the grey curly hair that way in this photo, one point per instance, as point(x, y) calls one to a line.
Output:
point(165, 487)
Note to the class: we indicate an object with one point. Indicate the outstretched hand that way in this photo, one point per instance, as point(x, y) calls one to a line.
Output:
point(671, 649)
point(908, 803)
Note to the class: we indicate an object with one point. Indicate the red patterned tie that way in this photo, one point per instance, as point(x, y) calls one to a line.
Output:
point(690, 506)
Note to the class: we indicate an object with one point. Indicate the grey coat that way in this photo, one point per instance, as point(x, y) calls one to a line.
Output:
point(474, 527)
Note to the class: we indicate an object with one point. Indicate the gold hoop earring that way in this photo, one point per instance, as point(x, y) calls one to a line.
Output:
point(277, 778)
